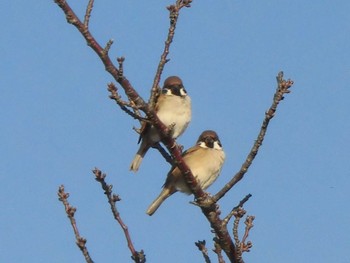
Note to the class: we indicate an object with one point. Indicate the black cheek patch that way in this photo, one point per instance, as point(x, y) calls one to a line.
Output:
point(176, 90)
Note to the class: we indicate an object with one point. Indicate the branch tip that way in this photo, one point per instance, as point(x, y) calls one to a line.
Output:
point(201, 247)
point(88, 13)
point(283, 87)
point(138, 257)
point(107, 47)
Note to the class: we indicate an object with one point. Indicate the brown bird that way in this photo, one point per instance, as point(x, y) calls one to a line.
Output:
point(173, 108)
point(205, 161)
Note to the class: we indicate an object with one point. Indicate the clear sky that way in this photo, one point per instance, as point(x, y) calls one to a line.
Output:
point(57, 124)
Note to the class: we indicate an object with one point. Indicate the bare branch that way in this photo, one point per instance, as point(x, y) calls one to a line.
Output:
point(73, 19)
point(164, 153)
point(173, 16)
point(238, 213)
point(123, 104)
point(241, 203)
point(217, 250)
point(201, 246)
point(88, 13)
point(242, 246)
point(283, 87)
point(138, 257)
point(70, 211)
point(108, 47)
point(249, 225)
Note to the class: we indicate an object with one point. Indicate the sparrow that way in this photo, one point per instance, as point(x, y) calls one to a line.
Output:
point(173, 108)
point(205, 161)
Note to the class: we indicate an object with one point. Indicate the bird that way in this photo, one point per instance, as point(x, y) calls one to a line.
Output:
point(173, 108)
point(205, 161)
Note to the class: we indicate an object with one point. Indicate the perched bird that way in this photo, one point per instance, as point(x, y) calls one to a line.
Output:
point(205, 160)
point(173, 108)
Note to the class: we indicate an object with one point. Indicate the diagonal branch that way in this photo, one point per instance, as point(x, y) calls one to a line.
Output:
point(70, 211)
point(241, 203)
point(124, 106)
point(138, 257)
point(88, 12)
point(202, 248)
point(173, 15)
point(217, 250)
point(283, 87)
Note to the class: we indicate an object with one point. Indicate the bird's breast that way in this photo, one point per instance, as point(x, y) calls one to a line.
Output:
point(175, 110)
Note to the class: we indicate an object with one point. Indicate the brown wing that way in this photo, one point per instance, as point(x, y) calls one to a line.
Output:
point(146, 125)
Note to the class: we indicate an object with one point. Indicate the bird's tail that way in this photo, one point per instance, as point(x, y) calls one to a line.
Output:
point(166, 192)
point(136, 162)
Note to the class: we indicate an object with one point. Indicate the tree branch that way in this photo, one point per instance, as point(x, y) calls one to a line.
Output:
point(123, 104)
point(88, 12)
point(138, 257)
point(283, 87)
point(173, 15)
point(202, 248)
point(217, 250)
point(70, 211)
point(241, 203)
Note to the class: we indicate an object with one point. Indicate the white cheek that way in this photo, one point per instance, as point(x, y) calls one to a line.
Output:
point(217, 146)
point(182, 92)
point(203, 145)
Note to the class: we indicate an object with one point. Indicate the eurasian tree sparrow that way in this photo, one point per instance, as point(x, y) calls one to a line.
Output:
point(173, 108)
point(205, 160)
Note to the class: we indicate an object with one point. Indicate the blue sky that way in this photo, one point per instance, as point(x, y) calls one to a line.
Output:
point(58, 124)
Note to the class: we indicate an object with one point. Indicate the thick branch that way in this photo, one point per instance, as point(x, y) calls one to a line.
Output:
point(282, 89)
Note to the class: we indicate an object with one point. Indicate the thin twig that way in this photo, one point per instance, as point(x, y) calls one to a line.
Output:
point(283, 87)
point(245, 247)
point(164, 153)
point(241, 203)
point(114, 95)
point(201, 246)
point(173, 16)
point(88, 13)
point(218, 250)
point(138, 257)
point(70, 211)
point(238, 214)
point(108, 47)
